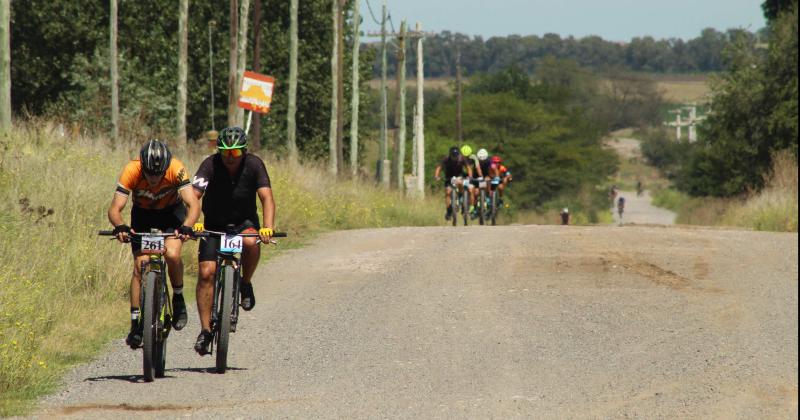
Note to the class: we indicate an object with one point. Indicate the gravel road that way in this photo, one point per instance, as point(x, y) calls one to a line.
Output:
point(556, 322)
point(639, 210)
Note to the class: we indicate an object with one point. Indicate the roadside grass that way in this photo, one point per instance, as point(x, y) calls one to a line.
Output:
point(775, 208)
point(64, 290)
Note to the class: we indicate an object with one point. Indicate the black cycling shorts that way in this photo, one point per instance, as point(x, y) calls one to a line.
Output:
point(207, 251)
point(166, 220)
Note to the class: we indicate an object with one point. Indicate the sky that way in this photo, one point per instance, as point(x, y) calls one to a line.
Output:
point(613, 20)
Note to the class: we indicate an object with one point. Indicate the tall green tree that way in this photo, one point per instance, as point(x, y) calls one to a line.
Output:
point(754, 114)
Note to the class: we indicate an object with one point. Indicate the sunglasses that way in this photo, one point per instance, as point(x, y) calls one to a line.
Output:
point(231, 152)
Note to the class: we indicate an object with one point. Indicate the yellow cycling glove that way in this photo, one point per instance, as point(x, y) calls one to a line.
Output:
point(198, 227)
point(265, 232)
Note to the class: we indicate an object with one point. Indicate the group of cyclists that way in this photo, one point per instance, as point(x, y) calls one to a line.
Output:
point(461, 170)
point(227, 183)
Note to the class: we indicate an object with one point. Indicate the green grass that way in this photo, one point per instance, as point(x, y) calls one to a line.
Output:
point(57, 276)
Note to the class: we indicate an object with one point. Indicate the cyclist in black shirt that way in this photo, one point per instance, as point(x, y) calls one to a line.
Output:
point(229, 182)
point(455, 165)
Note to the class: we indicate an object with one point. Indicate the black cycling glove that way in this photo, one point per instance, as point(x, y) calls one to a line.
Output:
point(121, 228)
point(185, 230)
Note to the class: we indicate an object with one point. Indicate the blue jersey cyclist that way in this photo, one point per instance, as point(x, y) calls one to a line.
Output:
point(229, 183)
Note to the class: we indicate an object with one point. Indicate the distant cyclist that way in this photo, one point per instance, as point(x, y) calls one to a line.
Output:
point(564, 216)
point(620, 206)
point(454, 165)
point(639, 188)
point(159, 186)
point(482, 167)
point(612, 195)
point(498, 170)
point(472, 162)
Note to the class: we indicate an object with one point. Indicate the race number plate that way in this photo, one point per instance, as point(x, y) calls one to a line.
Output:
point(231, 243)
point(152, 244)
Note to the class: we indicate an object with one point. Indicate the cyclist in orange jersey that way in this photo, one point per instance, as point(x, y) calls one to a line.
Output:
point(160, 187)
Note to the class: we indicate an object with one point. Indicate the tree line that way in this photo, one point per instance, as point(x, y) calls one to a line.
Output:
point(641, 54)
point(754, 115)
point(60, 55)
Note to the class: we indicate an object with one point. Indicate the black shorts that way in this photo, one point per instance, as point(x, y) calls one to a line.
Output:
point(166, 220)
point(207, 251)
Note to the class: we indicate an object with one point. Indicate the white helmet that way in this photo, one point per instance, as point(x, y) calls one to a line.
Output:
point(566, 210)
point(483, 154)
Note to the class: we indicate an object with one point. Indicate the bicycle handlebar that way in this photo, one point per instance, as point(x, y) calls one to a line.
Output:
point(207, 233)
point(111, 233)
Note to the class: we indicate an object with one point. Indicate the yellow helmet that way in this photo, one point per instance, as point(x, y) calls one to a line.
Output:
point(466, 150)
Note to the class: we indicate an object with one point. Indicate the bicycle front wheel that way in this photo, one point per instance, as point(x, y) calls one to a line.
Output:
point(454, 205)
point(150, 300)
point(494, 207)
point(225, 309)
point(162, 332)
point(465, 204)
point(482, 207)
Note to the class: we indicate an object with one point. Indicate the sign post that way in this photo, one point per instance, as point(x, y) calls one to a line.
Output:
point(255, 94)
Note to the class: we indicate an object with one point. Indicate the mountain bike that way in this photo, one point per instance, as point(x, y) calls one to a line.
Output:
point(225, 306)
point(459, 201)
point(481, 205)
point(154, 301)
point(492, 201)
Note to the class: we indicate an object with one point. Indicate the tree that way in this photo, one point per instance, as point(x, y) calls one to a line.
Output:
point(291, 125)
point(114, 74)
point(754, 115)
point(183, 56)
point(5, 64)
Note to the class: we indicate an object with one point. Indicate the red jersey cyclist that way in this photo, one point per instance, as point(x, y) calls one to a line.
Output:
point(498, 170)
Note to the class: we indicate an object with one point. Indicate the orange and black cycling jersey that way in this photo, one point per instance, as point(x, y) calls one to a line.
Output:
point(163, 195)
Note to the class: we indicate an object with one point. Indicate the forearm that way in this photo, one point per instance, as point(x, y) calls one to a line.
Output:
point(115, 217)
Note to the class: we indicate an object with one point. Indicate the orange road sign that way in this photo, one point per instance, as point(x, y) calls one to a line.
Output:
point(256, 92)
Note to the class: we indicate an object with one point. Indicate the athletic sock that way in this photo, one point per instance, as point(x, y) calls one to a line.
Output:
point(134, 316)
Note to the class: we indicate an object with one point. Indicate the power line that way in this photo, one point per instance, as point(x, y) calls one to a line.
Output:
point(372, 14)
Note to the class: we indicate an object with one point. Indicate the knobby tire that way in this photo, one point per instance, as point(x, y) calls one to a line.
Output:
point(454, 205)
point(225, 310)
point(482, 207)
point(161, 331)
point(494, 206)
point(465, 204)
point(149, 356)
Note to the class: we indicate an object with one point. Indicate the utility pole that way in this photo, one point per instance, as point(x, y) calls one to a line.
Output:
point(383, 162)
point(459, 133)
point(211, 25)
point(183, 54)
point(333, 165)
point(385, 170)
point(400, 113)
point(5, 64)
point(114, 75)
point(241, 59)
point(291, 123)
point(255, 144)
point(340, 88)
point(419, 127)
point(354, 102)
point(233, 89)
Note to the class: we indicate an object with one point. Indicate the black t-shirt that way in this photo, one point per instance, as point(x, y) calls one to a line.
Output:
point(454, 167)
point(485, 167)
point(230, 200)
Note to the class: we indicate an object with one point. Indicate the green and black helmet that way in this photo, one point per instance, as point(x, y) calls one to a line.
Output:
point(231, 138)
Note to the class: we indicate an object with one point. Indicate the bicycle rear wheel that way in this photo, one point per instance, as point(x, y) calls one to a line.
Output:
point(482, 207)
point(150, 300)
point(162, 331)
point(454, 205)
point(223, 334)
point(465, 204)
point(494, 207)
